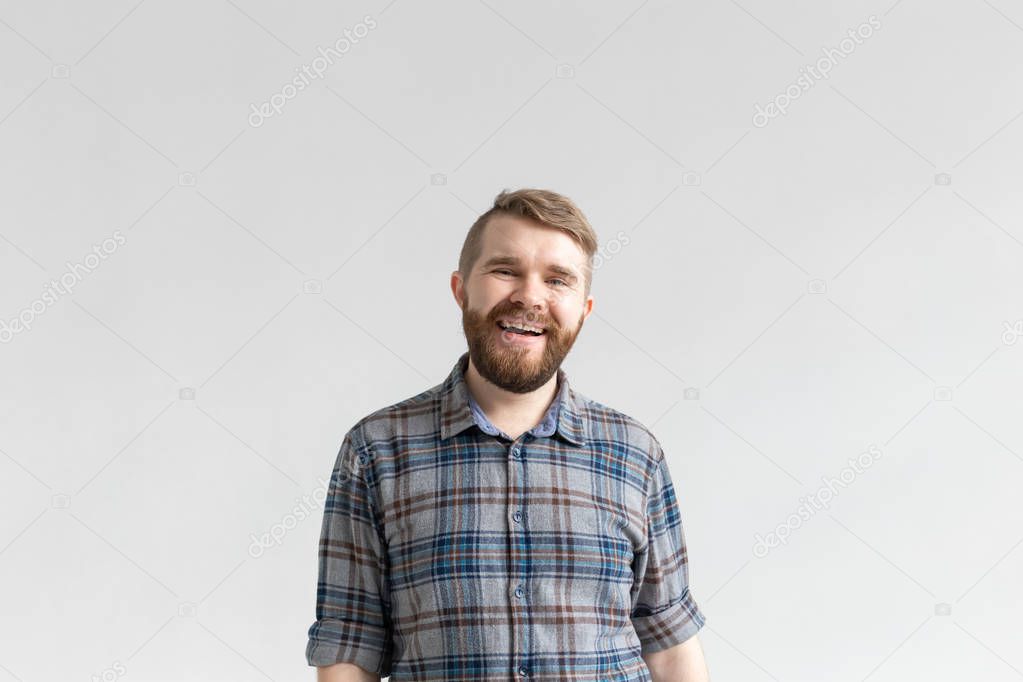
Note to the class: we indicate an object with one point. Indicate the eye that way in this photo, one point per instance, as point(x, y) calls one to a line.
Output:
point(563, 282)
point(504, 271)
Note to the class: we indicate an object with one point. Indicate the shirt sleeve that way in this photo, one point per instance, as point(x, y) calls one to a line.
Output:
point(664, 612)
point(353, 623)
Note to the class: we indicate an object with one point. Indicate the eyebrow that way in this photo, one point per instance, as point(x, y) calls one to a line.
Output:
point(514, 260)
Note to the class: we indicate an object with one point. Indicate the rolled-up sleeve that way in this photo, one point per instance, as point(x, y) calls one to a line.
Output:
point(664, 612)
point(353, 623)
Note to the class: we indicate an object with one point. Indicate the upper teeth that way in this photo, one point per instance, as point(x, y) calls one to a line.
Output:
point(506, 325)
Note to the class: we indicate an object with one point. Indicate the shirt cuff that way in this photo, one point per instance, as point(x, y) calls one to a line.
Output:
point(668, 625)
point(336, 641)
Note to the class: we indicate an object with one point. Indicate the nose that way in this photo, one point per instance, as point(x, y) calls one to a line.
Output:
point(531, 294)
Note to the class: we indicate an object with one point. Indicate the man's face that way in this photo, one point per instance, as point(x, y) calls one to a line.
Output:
point(527, 275)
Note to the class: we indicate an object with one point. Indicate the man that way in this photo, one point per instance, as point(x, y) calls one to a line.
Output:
point(501, 525)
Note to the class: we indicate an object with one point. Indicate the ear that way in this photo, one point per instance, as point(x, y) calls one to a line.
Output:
point(587, 307)
point(458, 287)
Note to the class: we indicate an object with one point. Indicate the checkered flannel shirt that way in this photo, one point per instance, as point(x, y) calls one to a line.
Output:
point(451, 551)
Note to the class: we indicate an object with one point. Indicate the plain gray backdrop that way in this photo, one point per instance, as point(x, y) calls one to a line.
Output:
point(810, 254)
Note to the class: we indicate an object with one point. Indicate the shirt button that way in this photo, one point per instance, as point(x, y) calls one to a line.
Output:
point(523, 670)
point(517, 516)
point(518, 591)
point(516, 453)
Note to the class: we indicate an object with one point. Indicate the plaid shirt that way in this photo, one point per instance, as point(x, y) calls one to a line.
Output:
point(450, 551)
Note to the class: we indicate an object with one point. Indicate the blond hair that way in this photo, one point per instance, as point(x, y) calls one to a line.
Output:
point(549, 208)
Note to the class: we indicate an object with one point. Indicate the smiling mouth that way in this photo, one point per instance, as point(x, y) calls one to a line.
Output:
point(520, 331)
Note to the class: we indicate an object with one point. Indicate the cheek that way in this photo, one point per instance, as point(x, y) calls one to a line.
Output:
point(492, 293)
point(567, 315)
point(483, 300)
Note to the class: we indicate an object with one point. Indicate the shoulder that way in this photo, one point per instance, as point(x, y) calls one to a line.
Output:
point(413, 416)
point(607, 426)
point(380, 433)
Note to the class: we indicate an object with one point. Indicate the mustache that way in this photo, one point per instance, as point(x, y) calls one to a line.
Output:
point(518, 314)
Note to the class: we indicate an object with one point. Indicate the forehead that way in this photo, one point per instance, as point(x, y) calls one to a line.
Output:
point(529, 242)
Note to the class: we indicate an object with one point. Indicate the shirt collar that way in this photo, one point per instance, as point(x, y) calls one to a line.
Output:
point(456, 414)
point(546, 427)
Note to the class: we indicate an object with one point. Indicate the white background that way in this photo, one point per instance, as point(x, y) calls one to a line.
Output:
point(846, 276)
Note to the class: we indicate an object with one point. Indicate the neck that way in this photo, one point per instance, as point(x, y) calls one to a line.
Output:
point(518, 410)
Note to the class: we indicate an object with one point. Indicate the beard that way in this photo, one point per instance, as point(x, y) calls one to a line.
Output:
point(516, 367)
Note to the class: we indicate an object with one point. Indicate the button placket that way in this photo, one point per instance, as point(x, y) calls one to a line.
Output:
point(517, 596)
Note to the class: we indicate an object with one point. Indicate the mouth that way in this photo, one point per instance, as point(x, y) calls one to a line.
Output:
point(521, 329)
